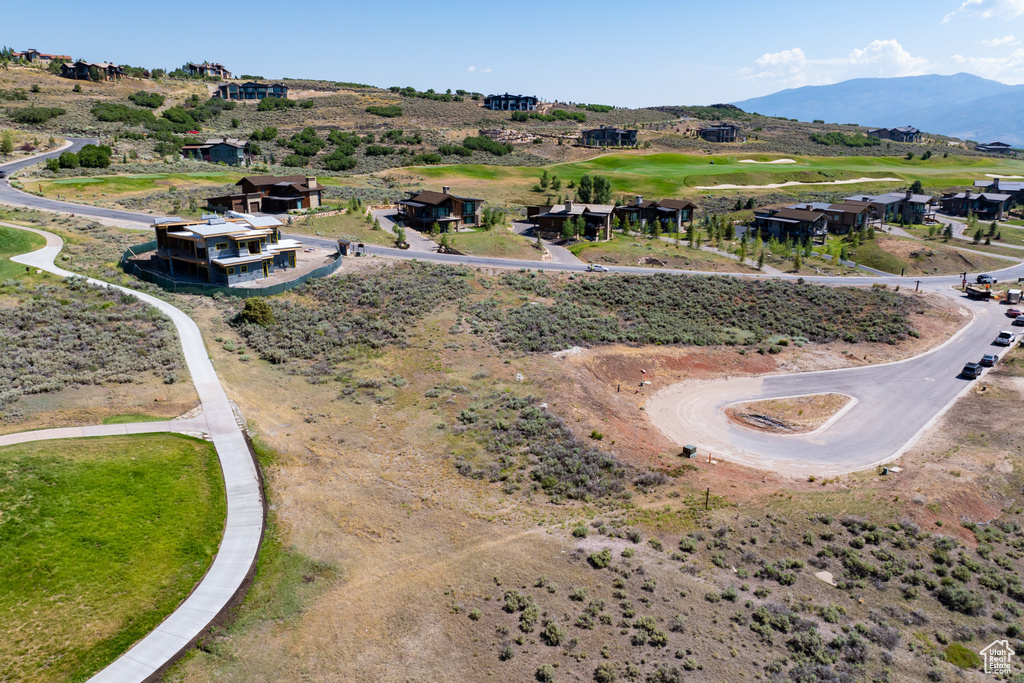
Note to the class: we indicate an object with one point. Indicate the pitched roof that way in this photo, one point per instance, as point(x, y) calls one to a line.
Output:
point(676, 204)
point(260, 180)
point(799, 214)
point(990, 196)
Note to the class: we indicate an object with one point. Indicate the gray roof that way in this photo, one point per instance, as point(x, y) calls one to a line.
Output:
point(991, 196)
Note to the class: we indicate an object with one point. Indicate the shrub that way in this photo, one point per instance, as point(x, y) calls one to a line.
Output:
point(256, 312)
point(275, 104)
point(294, 160)
point(151, 100)
point(553, 634)
point(605, 673)
point(68, 160)
point(600, 559)
point(34, 115)
point(427, 158)
point(545, 673)
point(486, 144)
point(389, 111)
point(960, 599)
point(378, 150)
point(963, 657)
point(94, 156)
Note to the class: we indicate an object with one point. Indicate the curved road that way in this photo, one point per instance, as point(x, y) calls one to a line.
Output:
point(243, 528)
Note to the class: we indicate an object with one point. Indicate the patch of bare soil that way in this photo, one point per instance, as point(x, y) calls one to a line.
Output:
point(797, 415)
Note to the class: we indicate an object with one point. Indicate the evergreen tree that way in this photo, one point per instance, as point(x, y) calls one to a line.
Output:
point(760, 260)
point(585, 191)
point(544, 180)
point(947, 232)
point(978, 234)
point(602, 192)
point(567, 229)
point(556, 183)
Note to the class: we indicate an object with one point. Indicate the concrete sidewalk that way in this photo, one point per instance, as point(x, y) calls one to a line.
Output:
point(243, 529)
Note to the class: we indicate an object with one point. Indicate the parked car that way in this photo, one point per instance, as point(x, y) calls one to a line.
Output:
point(1005, 338)
point(971, 371)
point(1019, 320)
point(986, 280)
point(988, 360)
point(596, 268)
point(3, 174)
point(1012, 312)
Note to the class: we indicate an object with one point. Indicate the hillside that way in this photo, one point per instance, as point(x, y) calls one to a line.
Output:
point(962, 105)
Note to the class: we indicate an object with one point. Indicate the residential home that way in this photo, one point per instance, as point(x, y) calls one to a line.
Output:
point(1000, 186)
point(208, 69)
point(842, 218)
point(609, 137)
point(641, 212)
point(217, 151)
point(597, 219)
point(994, 148)
point(720, 132)
point(798, 225)
point(900, 134)
point(37, 57)
point(987, 206)
point(251, 91)
point(271, 194)
point(223, 251)
point(508, 102)
point(80, 70)
point(899, 207)
point(425, 209)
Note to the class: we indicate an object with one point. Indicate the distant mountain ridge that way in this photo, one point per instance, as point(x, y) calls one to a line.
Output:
point(961, 105)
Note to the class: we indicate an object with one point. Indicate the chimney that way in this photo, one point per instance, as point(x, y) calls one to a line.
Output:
point(444, 190)
point(967, 194)
point(639, 200)
point(909, 194)
point(311, 182)
point(808, 207)
point(568, 205)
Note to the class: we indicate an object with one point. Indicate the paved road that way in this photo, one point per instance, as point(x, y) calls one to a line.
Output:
point(243, 528)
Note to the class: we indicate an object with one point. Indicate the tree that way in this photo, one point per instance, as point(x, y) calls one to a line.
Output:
point(739, 204)
point(68, 160)
point(749, 204)
point(585, 191)
point(978, 234)
point(579, 227)
point(556, 183)
point(567, 229)
point(7, 142)
point(544, 180)
point(257, 312)
point(656, 228)
point(602, 193)
point(992, 228)
point(760, 260)
point(947, 232)
point(729, 233)
point(916, 187)
point(691, 235)
point(94, 156)
point(616, 223)
point(796, 261)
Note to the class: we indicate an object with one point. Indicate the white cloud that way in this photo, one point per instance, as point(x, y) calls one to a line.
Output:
point(997, 42)
point(471, 69)
point(1009, 69)
point(987, 9)
point(793, 68)
point(482, 70)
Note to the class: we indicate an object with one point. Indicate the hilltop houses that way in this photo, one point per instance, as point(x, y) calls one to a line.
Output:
point(900, 134)
point(34, 56)
point(609, 136)
point(426, 209)
point(223, 251)
point(251, 90)
point(994, 148)
point(208, 69)
point(217, 151)
point(508, 102)
point(721, 132)
point(97, 71)
point(270, 194)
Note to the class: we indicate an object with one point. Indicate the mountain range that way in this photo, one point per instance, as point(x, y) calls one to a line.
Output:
point(962, 105)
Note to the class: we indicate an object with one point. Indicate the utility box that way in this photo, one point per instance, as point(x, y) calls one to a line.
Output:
point(689, 451)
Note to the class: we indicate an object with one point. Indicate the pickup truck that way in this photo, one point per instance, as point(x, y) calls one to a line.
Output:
point(1005, 338)
point(971, 371)
point(986, 280)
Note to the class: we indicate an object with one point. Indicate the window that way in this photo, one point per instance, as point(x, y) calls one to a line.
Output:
point(244, 269)
point(231, 271)
point(220, 245)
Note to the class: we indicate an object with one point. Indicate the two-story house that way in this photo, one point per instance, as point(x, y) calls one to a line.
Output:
point(987, 206)
point(508, 102)
point(795, 224)
point(597, 219)
point(642, 212)
point(208, 69)
point(842, 218)
point(899, 207)
point(609, 136)
point(223, 251)
point(899, 134)
point(36, 57)
point(1000, 186)
point(270, 194)
point(722, 132)
point(251, 91)
point(100, 71)
point(217, 151)
point(425, 209)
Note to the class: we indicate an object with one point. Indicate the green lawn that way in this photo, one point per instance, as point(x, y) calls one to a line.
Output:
point(100, 539)
point(498, 242)
point(349, 225)
point(113, 185)
point(12, 243)
point(132, 417)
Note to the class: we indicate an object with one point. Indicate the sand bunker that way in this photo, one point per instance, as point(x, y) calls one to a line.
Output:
point(1008, 177)
point(773, 161)
point(791, 183)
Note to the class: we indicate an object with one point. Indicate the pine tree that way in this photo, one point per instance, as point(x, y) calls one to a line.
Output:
point(544, 180)
point(978, 234)
point(760, 260)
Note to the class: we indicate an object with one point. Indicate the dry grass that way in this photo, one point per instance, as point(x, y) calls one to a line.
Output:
point(788, 415)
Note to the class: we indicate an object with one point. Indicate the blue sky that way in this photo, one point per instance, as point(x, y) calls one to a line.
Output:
point(627, 54)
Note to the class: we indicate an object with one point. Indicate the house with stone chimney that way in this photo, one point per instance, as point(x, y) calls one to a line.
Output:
point(550, 220)
point(270, 194)
point(798, 225)
point(223, 251)
point(34, 56)
point(844, 217)
point(208, 69)
point(900, 207)
point(1000, 186)
point(667, 211)
point(426, 210)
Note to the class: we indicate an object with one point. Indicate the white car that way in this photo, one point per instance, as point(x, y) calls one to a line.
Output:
point(596, 268)
point(1005, 338)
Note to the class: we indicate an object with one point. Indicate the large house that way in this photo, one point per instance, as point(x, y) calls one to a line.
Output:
point(842, 218)
point(999, 186)
point(251, 91)
point(988, 206)
point(721, 132)
point(270, 194)
point(223, 251)
point(641, 212)
point(795, 224)
point(550, 220)
point(80, 70)
point(508, 102)
point(217, 151)
point(207, 69)
point(609, 137)
point(900, 134)
point(899, 207)
point(994, 148)
point(425, 209)
point(34, 56)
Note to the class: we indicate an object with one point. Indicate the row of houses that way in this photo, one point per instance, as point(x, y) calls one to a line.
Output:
point(598, 218)
point(816, 220)
point(82, 70)
point(610, 136)
point(34, 56)
point(208, 69)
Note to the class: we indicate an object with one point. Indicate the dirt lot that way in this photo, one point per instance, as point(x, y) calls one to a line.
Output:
point(797, 415)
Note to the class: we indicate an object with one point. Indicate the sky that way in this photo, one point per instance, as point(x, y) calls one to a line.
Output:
point(652, 52)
